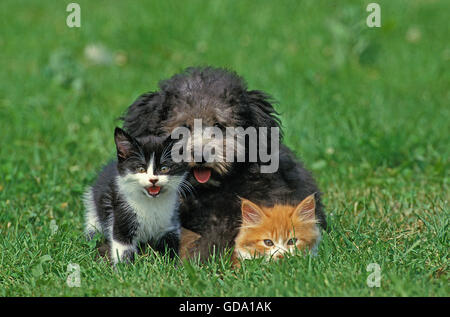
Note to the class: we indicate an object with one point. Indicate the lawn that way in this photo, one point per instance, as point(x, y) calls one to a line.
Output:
point(367, 110)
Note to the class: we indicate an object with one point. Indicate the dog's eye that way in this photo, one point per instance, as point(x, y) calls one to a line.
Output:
point(268, 242)
point(141, 169)
point(292, 241)
point(164, 169)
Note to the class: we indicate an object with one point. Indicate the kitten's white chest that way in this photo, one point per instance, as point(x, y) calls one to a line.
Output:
point(154, 216)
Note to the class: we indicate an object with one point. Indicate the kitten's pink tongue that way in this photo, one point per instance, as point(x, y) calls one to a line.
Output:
point(154, 190)
point(202, 175)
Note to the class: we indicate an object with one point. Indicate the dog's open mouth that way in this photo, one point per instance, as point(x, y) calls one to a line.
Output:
point(153, 191)
point(202, 174)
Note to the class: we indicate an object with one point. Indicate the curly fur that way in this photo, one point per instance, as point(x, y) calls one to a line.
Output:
point(219, 96)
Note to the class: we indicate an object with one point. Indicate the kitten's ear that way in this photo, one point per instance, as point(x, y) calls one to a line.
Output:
point(251, 213)
point(125, 143)
point(306, 210)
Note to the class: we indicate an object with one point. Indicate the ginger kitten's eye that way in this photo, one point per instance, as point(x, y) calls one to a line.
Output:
point(164, 169)
point(268, 242)
point(292, 241)
point(141, 169)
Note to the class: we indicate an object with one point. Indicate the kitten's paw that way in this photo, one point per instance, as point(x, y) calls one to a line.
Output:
point(122, 252)
point(128, 256)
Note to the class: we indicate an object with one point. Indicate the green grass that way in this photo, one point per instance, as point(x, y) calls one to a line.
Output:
point(366, 109)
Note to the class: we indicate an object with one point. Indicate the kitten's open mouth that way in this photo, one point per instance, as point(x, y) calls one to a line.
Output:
point(153, 191)
point(202, 174)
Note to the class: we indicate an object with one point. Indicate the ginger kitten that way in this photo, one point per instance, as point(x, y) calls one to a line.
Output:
point(272, 232)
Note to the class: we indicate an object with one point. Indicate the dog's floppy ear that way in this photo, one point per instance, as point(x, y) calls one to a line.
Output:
point(144, 116)
point(262, 112)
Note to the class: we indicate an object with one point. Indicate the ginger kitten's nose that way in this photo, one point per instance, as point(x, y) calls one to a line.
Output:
point(153, 180)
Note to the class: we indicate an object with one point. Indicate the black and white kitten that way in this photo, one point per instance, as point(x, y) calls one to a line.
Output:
point(135, 198)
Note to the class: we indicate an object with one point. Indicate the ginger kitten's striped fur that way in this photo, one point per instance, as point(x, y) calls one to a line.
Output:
point(274, 231)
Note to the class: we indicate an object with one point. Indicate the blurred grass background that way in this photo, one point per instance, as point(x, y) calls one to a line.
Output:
point(366, 109)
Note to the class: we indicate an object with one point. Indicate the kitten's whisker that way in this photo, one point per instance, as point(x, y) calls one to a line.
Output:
point(186, 183)
point(182, 190)
point(179, 189)
point(188, 187)
point(166, 153)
